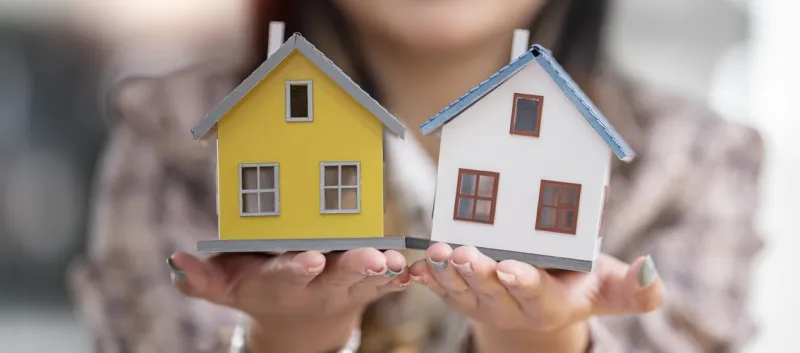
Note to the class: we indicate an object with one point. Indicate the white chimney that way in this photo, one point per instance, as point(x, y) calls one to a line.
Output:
point(520, 43)
point(276, 29)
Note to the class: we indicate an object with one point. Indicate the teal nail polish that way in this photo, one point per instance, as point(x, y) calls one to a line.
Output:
point(392, 274)
point(648, 272)
point(439, 266)
point(177, 273)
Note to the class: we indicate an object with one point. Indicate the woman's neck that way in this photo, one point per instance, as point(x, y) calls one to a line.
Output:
point(414, 87)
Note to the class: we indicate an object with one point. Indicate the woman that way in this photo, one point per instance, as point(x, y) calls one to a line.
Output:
point(687, 201)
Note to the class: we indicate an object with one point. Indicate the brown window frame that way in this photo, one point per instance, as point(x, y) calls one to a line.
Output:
point(557, 207)
point(474, 196)
point(514, 115)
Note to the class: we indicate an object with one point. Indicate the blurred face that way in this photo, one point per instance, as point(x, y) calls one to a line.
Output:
point(440, 24)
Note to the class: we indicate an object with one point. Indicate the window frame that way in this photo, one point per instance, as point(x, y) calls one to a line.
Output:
point(474, 196)
point(576, 208)
point(259, 190)
point(309, 96)
point(518, 96)
point(339, 187)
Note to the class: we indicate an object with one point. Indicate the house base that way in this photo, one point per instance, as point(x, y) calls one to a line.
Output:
point(281, 245)
point(542, 261)
point(381, 243)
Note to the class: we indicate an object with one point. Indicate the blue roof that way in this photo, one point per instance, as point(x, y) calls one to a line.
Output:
point(537, 53)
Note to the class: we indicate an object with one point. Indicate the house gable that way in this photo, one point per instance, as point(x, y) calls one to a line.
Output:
point(296, 43)
point(559, 76)
point(342, 133)
point(566, 152)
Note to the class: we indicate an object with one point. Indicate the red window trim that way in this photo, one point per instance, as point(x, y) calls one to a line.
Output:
point(475, 197)
point(514, 115)
point(576, 208)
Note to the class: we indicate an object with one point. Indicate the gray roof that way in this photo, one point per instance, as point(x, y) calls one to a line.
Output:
point(297, 42)
point(543, 57)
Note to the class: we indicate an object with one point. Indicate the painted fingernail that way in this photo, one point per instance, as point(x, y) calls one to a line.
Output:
point(391, 273)
point(175, 271)
point(438, 265)
point(507, 278)
point(419, 279)
point(648, 272)
point(465, 268)
point(370, 272)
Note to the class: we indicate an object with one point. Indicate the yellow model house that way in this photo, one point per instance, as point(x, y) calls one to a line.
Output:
point(299, 158)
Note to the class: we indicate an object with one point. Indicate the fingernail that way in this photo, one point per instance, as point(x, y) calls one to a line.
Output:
point(648, 272)
point(391, 273)
point(406, 283)
point(419, 279)
point(375, 273)
point(507, 278)
point(174, 270)
point(438, 265)
point(315, 270)
point(465, 268)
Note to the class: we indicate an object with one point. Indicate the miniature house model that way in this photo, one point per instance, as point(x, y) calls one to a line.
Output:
point(299, 158)
point(524, 166)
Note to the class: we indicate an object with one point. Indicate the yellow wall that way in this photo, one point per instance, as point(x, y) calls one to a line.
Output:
point(256, 131)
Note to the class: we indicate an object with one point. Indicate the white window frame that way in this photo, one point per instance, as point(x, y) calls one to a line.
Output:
point(323, 187)
point(258, 190)
point(310, 98)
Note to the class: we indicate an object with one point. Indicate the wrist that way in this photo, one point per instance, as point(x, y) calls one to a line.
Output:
point(574, 338)
point(301, 334)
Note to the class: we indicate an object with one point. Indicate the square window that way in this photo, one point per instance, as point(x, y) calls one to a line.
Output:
point(526, 115)
point(340, 187)
point(258, 189)
point(558, 207)
point(477, 196)
point(299, 101)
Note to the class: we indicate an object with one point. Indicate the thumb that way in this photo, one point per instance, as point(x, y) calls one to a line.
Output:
point(629, 289)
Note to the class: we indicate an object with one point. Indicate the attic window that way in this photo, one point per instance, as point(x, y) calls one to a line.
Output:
point(299, 101)
point(526, 115)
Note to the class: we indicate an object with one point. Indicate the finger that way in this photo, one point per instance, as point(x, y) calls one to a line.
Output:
point(368, 287)
point(293, 269)
point(634, 288)
point(420, 272)
point(479, 271)
point(439, 261)
point(539, 296)
point(196, 278)
point(399, 283)
point(350, 267)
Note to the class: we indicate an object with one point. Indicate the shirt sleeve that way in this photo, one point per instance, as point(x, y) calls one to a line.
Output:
point(704, 245)
point(143, 210)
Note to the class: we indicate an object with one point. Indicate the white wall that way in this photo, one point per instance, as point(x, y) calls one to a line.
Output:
point(568, 150)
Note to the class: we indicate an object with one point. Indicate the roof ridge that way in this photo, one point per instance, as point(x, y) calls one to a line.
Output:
point(299, 43)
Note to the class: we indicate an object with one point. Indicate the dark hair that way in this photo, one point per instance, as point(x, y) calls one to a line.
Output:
point(572, 29)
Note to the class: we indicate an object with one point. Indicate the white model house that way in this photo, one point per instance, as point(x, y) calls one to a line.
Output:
point(524, 166)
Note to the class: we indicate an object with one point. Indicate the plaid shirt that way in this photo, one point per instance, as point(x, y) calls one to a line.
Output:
point(688, 200)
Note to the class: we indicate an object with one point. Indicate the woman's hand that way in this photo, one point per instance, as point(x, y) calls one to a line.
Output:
point(294, 296)
point(513, 305)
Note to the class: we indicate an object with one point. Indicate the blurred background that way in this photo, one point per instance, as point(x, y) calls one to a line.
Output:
point(739, 57)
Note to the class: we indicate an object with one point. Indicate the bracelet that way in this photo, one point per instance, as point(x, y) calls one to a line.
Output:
point(239, 344)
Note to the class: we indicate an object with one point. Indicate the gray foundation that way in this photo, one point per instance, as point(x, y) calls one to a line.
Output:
point(381, 243)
